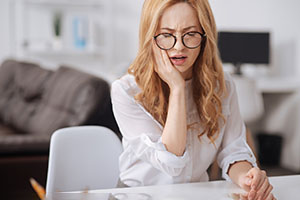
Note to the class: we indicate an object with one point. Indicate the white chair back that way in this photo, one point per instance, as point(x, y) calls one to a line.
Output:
point(83, 158)
point(249, 97)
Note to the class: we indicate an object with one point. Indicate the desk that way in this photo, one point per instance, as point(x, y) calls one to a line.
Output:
point(277, 84)
point(282, 114)
point(285, 188)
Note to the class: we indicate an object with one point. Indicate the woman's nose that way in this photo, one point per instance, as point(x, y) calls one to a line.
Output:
point(179, 45)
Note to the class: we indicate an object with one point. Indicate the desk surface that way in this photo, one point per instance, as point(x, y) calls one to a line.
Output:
point(285, 187)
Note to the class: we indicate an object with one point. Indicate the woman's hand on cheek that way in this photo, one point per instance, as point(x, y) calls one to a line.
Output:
point(257, 185)
point(165, 69)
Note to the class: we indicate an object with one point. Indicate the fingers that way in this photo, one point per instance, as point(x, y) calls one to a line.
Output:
point(270, 197)
point(263, 178)
point(257, 177)
point(260, 186)
point(248, 182)
point(257, 180)
point(161, 56)
point(263, 189)
point(161, 59)
point(268, 192)
point(166, 58)
point(252, 194)
point(165, 69)
point(243, 196)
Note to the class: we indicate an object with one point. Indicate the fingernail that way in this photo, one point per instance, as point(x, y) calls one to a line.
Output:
point(248, 181)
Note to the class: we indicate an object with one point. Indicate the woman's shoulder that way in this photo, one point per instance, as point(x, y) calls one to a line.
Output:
point(229, 82)
point(230, 88)
point(126, 84)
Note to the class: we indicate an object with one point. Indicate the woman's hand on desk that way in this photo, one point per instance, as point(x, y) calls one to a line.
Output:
point(257, 185)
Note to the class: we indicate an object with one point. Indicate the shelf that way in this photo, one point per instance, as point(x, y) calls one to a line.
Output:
point(65, 3)
point(81, 23)
point(278, 84)
point(65, 52)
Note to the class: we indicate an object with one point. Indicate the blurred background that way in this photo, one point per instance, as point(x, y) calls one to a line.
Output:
point(100, 37)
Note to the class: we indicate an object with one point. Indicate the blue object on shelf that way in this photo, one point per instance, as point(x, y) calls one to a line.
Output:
point(80, 29)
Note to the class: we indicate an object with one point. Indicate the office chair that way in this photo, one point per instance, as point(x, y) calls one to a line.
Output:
point(249, 97)
point(83, 158)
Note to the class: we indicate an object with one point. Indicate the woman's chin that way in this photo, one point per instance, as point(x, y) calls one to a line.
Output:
point(186, 72)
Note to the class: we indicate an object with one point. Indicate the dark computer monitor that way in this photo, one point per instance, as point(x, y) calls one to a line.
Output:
point(244, 47)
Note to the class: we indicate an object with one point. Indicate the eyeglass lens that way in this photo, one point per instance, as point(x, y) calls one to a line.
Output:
point(167, 41)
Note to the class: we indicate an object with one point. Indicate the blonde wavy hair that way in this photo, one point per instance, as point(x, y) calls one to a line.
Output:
point(208, 77)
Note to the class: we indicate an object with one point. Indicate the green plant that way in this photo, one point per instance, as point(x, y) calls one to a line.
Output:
point(57, 23)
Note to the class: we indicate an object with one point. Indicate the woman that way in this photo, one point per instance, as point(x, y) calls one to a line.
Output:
point(176, 109)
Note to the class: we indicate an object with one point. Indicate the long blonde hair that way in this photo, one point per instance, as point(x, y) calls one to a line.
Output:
point(208, 77)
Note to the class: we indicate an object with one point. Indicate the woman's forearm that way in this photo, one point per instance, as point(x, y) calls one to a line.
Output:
point(175, 130)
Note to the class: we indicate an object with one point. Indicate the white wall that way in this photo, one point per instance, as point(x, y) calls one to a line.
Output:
point(126, 21)
point(281, 19)
point(124, 27)
point(126, 31)
point(5, 38)
point(278, 17)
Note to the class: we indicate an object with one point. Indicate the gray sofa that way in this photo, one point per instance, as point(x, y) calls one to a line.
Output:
point(34, 102)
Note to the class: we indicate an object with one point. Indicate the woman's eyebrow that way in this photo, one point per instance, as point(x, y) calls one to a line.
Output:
point(173, 30)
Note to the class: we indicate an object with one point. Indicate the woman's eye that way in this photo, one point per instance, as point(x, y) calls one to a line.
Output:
point(166, 35)
point(191, 34)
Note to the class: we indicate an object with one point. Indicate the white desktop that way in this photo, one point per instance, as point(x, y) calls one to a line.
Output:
point(285, 188)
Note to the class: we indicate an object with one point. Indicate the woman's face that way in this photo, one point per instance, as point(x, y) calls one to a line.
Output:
point(178, 20)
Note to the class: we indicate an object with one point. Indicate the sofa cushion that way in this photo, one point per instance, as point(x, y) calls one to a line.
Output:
point(13, 141)
point(31, 80)
point(21, 87)
point(70, 99)
point(34, 102)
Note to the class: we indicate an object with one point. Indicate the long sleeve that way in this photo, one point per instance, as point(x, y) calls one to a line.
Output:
point(234, 146)
point(141, 132)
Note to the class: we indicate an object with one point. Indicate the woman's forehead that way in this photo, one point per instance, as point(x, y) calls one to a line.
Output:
point(179, 16)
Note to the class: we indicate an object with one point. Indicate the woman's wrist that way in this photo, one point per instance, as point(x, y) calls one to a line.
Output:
point(177, 88)
point(238, 170)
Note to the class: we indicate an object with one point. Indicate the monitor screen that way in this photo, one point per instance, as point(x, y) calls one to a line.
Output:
point(244, 47)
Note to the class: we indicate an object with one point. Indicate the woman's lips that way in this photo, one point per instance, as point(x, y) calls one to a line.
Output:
point(178, 60)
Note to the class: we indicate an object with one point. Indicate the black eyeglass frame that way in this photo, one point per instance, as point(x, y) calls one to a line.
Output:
point(203, 36)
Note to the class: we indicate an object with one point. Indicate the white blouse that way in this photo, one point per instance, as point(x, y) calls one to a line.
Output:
point(145, 160)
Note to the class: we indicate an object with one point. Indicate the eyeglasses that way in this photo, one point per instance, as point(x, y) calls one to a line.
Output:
point(191, 40)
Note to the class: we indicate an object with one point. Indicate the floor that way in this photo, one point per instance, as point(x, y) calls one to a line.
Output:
point(15, 173)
